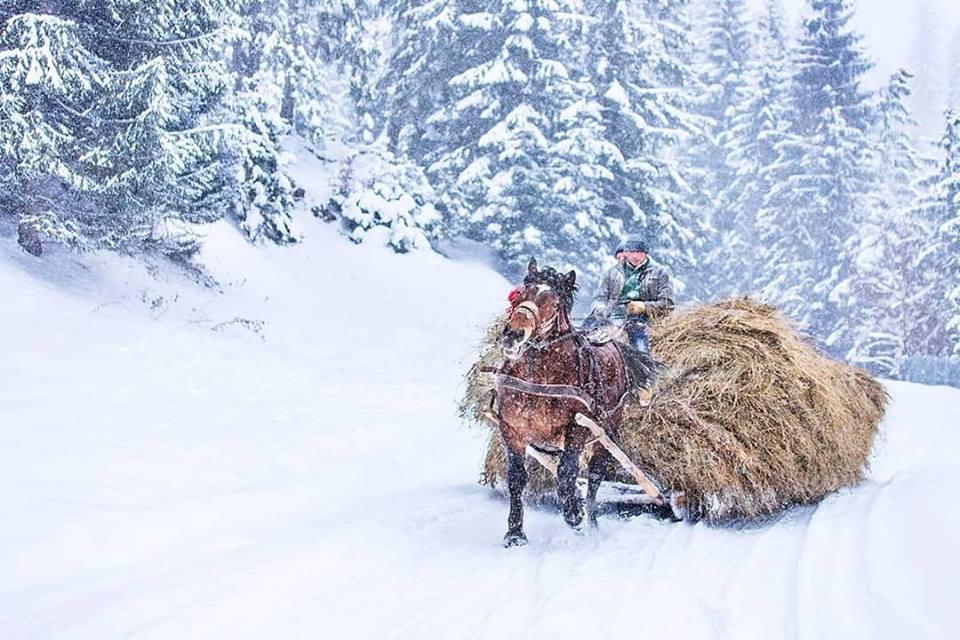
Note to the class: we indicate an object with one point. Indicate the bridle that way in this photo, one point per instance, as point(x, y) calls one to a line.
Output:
point(540, 338)
point(541, 328)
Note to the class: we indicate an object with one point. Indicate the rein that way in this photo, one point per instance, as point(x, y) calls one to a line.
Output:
point(537, 342)
point(562, 391)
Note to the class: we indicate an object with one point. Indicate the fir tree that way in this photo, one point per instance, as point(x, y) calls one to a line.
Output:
point(758, 125)
point(723, 74)
point(886, 299)
point(50, 82)
point(638, 58)
point(487, 132)
point(169, 142)
point(263, 202)
point(938, 266)
point(418, 73)
point(821, 178)
point(377, 194)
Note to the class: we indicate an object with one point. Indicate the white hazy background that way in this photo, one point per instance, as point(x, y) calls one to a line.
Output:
point(893, 27)
point(922, 36)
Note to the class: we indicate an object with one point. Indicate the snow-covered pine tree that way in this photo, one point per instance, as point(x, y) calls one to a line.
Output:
point(377, 194)
point(50, 82)
point(583, 158)
point(679, 231)
point(337, 89)
point(757, 126)
point(263, 201)
point(948, 233)
point(169, 145)
point(938, 266)
point(723, 74)
point(369, 30)
point(416, 79)
point(821, 178)
point(638, 62)
point(260, 52)
point(484, 123)
point(886, 301)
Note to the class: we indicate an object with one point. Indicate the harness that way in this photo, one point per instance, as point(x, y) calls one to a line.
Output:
point(588, 371)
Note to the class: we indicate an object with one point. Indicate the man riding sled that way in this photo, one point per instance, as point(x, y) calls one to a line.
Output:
point(630, 294)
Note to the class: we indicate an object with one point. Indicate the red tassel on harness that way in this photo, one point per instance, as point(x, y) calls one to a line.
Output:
point(514, 295)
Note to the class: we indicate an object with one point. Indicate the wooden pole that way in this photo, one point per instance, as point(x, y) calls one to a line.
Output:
point(642, 479)
point(545, 460)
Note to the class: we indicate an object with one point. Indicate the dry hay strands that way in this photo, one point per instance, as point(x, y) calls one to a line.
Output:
point(478, 386)
point(747, 417)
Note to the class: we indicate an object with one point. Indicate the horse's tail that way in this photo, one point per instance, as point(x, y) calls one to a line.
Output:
point(641, 367)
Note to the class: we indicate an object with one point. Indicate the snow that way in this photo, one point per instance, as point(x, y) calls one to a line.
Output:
point(278, 457)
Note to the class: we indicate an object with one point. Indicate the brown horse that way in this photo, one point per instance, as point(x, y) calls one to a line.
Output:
point(551, 374)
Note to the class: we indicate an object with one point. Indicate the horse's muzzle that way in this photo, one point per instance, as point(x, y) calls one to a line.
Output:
point(512, 342)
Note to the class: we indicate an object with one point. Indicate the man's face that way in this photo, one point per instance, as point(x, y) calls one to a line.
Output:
point(633, 257)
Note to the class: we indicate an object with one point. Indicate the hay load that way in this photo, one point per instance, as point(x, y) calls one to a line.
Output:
point(747, 417)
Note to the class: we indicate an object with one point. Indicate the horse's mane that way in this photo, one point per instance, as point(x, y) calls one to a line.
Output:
point(556, 281)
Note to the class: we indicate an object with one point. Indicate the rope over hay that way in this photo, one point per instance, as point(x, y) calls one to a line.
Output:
point(747, 417)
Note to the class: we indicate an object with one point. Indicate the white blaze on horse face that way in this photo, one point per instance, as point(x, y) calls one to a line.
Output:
point(514, 350)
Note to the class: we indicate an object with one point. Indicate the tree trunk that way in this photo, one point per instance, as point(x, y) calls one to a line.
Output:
point(29, 239)
point(27, 234)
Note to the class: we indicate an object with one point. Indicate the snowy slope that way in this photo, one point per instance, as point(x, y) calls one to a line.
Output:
point(279, 459)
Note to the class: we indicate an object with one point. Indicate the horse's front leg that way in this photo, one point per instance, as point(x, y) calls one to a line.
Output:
point(567, 471)
point(596, 472)
point(516, 481)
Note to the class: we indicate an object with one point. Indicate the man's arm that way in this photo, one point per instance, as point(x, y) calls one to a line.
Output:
point(663, 303)
point(601, 301)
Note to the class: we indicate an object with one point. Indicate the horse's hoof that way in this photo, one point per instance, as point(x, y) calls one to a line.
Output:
point(514, 540)
point(575, 522)
point(573, 517)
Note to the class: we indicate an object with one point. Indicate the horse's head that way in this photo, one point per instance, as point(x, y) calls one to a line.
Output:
point(539, 309)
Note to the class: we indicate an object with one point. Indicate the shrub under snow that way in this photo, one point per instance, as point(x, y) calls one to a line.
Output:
point(377, 191)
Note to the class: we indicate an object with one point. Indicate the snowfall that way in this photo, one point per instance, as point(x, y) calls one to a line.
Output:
point(271, 451)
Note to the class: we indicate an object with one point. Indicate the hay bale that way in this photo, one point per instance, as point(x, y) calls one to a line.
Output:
point(478, 386)
point(747, 417)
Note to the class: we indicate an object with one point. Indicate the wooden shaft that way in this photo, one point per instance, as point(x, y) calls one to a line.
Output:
point(642, 479)
point(546, 461)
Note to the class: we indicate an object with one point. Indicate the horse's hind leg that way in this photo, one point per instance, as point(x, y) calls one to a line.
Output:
point(567, 471)
point(596, 472)
point(516, 481)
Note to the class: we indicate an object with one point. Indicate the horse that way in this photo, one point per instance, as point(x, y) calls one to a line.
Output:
point(550, 374)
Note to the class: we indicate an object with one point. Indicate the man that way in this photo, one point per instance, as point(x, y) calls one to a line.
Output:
point(632, 292)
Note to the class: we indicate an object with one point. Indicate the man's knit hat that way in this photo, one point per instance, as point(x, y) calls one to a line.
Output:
point(632, 244)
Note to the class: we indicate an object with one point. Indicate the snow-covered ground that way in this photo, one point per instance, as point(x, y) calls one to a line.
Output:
point(279, 458)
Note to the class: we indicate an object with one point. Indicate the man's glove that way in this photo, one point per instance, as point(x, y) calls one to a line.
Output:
point(636, 308)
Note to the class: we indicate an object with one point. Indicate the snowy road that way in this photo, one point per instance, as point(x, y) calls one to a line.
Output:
point(172, 468)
